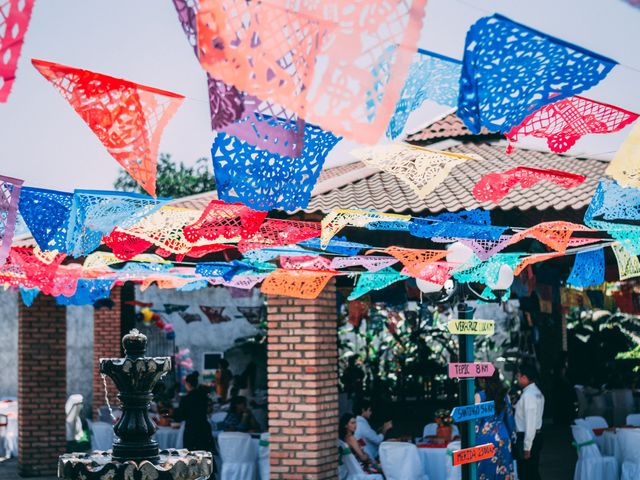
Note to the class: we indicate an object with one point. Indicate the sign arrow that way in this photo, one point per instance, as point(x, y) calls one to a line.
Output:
point(471, 412)
point(471, 327)
point(473, 454)
point(468, 370)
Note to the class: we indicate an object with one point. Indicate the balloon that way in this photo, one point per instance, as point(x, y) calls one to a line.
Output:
point(505, 279)
point(160, 323)
point(147, 314)
point(171, 336)
point(168, 327)
point(459, 253)
point(428, 287)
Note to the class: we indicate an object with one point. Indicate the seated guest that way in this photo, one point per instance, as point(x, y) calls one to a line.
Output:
point(239, 418)
point(371, 438)
point(346, 432)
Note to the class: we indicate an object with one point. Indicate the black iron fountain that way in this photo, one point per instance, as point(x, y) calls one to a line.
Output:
point(135, 455)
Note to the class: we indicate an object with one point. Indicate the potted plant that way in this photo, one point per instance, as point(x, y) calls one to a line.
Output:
point(444, 421)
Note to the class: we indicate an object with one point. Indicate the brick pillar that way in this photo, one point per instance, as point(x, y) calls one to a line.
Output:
point(106, 344)
point(302, 368)
point(42, 386)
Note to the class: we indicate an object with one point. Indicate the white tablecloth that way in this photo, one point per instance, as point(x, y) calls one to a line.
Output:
point(434, 462)
point(9, 434)
point(611, 446)
point(167, 437)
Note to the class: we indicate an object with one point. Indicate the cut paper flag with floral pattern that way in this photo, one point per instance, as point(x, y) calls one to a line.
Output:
point(46, 213)
point(253, 315)
point(296, 283)
point(533, 259)
point(127, 118)
point(225, 221)
point(311, 262)
point(487, 272)
point(266, 254)
point(415, 260)
point(9, 200)
point(88, 292)
point(368, 281)
point(421, 168)
point(370, 262)
point(14, 22)
point(337, 219)
point(564, 122)
point(261, 123)
point(554, 235)
point(28, 295)
point(214, 314)
point(124, 245)
point(588, 269)
point(340, 66)
point(493, 187)
point(628, 264)
point(625, 166)
point(474, 224)
point(277, 233)
point(164, 228)
point(485, 249)
point(96, 213)
point(263, 180)
point(510, 70)
point(434, 272)
point(431, 77)
point(339, 245)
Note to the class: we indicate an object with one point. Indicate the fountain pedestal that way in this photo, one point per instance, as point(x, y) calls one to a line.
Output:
point(135, 455)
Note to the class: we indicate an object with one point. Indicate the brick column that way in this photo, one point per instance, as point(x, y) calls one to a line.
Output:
point(106, 344)
point(302, 368)
point(42, 386)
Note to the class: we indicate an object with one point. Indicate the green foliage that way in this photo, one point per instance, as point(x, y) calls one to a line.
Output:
point(173, 180)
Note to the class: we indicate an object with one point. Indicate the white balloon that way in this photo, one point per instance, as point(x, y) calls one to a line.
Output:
point(505, 279)
point(458, 253)
point(428, 287)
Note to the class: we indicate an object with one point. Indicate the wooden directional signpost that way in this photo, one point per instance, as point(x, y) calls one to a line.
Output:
point(467, 328)
point(473, 454)
point(471, 327)
point(471, 370)
point(472, 412)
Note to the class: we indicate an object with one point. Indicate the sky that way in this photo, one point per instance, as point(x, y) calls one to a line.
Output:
point(44, 142)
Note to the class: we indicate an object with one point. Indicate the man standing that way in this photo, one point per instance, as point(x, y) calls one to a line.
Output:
point(529, 411)
point(364, 432)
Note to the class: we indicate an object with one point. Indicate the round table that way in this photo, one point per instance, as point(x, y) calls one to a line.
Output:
point(167, 437)
point(434, 461)
point(9, 433)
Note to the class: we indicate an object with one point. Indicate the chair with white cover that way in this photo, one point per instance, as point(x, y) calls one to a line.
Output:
point(597, 422)
point(633, 419)
point(102, 436)
point(581, 422)
point(350, 468)
point(238, 455)
point(217, 419)
point(263, 456)
point(453, 473)
point(73, 422)
point(591, 464)
point(622, 402)
point(401, 461)
point(629, 441)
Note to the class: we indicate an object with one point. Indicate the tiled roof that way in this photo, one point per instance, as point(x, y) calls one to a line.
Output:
point(447, 127)
point(383, 192)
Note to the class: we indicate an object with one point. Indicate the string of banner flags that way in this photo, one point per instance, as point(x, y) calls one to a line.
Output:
point(286, 84)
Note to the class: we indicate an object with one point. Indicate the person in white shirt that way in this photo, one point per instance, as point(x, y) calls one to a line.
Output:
point(371, 438)
point(529, 411)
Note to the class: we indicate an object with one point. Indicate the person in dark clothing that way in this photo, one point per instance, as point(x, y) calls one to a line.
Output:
point(239, 418)
point(193, 410)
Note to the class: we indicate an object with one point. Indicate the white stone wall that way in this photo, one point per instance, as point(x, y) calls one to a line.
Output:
point(8, 343)
point(202, 337)
point(80, 353)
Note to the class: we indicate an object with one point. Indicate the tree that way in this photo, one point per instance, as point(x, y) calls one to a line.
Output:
point(173, 180)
